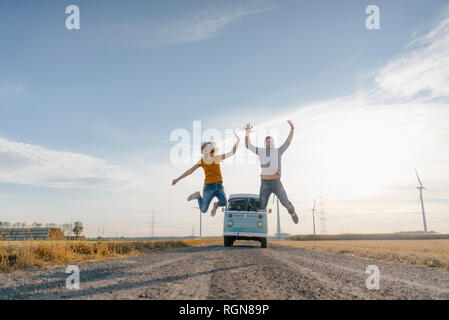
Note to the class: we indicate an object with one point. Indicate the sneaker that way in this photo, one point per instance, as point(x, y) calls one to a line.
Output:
point(194, 196)
point(214, 209)
point(294, 217)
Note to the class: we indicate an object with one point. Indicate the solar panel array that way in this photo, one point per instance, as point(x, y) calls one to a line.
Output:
point(19, 234)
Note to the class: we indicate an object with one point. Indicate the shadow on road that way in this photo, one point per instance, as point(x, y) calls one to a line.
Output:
point(29, 290)
point(54, 282)
point(217, 247)
point(138, 284)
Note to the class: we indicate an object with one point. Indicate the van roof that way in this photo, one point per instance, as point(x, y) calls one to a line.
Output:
point(243, 195)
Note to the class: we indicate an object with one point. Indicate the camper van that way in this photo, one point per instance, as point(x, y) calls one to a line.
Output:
point(242, 220)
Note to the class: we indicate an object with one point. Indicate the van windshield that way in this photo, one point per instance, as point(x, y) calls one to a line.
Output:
point(242, 204)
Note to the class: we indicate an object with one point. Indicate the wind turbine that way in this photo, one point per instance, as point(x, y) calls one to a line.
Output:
point(421, 188)
point(313, 215)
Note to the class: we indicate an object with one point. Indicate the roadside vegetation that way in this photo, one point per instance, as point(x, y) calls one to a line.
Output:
point(374, 236)
point(18, 255)
point(429, 252)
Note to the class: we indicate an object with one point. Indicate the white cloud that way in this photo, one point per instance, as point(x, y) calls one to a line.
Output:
point(206, 24)
point(35, 165)
point(424, 69)
point(203, 25)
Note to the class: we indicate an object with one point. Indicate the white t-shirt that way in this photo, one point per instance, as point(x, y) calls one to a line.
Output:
point(270, 159)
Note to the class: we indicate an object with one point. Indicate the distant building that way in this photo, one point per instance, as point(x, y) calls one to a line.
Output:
point(20, 234)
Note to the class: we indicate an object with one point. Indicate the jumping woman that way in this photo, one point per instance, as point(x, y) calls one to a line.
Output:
point(213, 183)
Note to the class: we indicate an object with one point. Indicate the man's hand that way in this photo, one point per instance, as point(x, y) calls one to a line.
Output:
point(248, 129)
point(174, 182)
point(291, 124)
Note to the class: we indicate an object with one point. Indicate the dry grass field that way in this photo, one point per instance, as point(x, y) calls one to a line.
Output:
point(28, 254)
point(369, 236)
point(431, 253)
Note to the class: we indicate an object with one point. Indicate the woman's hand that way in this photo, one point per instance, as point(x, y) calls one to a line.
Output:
point(291, 124)
point(238, 138)
point(175, 181)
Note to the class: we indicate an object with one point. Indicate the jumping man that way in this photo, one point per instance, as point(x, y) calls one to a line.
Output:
point(270, 162)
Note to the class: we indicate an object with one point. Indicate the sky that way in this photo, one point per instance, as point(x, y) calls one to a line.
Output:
point(87, 116)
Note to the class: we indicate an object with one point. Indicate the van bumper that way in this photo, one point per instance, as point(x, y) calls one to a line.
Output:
point(244, 235)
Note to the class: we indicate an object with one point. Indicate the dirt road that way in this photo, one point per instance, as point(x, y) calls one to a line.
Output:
point(241, 272)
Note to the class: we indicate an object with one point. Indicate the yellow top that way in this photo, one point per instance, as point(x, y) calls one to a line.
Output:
point(211, 167)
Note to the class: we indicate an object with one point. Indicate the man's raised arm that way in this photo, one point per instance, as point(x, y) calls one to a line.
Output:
point(248, 144)
point(286, 144)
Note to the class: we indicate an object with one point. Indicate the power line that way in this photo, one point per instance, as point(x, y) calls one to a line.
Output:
point(322, 216)
point(201, 221)
point(152, 223)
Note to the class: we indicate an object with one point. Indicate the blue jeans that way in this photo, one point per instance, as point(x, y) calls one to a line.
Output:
point(210, 191)
point(267, 187)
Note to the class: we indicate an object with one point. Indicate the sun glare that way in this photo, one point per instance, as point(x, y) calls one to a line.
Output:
point(364, 153)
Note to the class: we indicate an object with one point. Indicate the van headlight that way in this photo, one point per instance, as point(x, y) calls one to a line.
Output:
point(230, 223)
point(260, 224)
